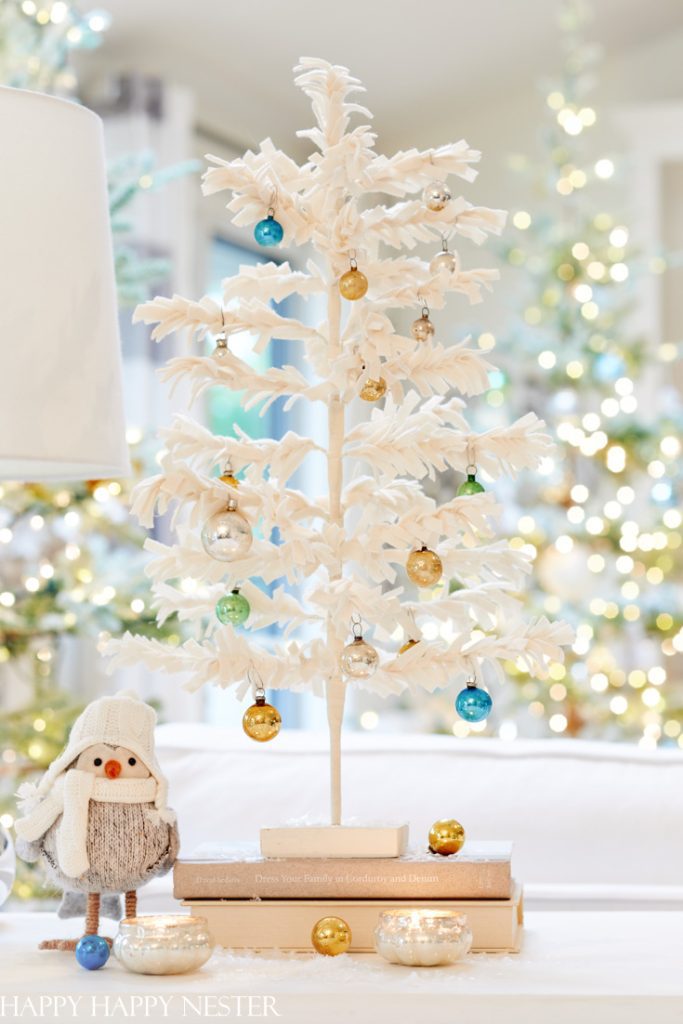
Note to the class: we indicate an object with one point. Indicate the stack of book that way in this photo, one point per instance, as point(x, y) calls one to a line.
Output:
point(252, 902)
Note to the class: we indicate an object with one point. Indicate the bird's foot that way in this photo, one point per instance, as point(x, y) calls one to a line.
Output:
point(64, 945)
point(68, 945)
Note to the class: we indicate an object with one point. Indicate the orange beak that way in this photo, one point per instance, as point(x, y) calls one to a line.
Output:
point(112, 769)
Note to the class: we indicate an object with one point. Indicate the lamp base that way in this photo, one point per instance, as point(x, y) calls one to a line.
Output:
point(334, 841)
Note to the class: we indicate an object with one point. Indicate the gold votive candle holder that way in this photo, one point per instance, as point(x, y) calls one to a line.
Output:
point(163, 943)
point(422, 938)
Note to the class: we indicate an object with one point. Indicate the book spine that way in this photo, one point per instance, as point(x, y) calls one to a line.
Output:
point(279, 880)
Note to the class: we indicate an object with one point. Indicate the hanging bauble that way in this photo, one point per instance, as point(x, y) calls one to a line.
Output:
point(359, 659)
point(424, 567)
point(269, 231)
point(445, 261)
point(221, 350)
point(436, 195)
point(407, 646)
point(227, 534)
point(331, 936)
point(446, 836)
point(470, 486)
point(92, 952)
point(353, 284)
point(473, 704)
point(233, 609)
point(373, 390)
point(261, 721)
point(422, 329)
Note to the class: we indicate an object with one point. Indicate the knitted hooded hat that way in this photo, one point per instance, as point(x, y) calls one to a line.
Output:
point(119, 721)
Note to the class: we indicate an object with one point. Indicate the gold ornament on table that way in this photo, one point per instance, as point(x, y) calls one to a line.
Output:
point(423, 328)
point(331, 936)
point(424, 567)
point(359, 659)
point(353, 284)
point(446, 836)
point(261, 721)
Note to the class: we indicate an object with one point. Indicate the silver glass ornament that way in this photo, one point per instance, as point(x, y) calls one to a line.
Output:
point(436, 195)
point(445, 261)
point(227, 534)
point(359, 659)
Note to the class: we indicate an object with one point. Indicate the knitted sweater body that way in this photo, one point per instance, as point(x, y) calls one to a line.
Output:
point(127, 845)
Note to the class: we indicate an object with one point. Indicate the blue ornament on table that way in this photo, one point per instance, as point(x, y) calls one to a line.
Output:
point(473, 704)
point(92, 952)
point(269, 231)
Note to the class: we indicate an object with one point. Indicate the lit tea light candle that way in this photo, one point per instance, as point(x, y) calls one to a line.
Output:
point(163, 943)
point(422, 938)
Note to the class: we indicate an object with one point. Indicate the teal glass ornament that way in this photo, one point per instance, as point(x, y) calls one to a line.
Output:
point(268, 231)
point(92, 952)
point(470, 486)
point(473, 704)
point(233, 609)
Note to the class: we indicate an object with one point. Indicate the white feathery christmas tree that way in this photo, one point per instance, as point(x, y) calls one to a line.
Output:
point(339, 557)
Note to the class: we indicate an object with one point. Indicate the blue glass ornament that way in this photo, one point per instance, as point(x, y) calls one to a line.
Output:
point(92, 952)
point(473, 704)
point(268, 231)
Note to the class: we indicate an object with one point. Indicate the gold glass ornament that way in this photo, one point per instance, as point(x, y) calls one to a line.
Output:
point(227, 477)
point(373, 390)
point(436, 195)
point(331, 936)
point(407, 646)
point(227, 535)
point(422, 329)
point(353, 284)
point(261, 721)
point(446, 836)
point(424, 567)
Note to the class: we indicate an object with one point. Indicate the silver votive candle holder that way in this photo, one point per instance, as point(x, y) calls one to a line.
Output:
point(163, 943)
point(422, 938)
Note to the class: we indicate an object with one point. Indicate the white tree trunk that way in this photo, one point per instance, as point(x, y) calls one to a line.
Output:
point(336, 687)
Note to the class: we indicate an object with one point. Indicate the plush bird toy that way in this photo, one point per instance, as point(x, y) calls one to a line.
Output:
point(98, 817)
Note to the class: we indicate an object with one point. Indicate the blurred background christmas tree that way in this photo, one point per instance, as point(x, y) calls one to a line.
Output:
point(71, 558)
point(603, 520)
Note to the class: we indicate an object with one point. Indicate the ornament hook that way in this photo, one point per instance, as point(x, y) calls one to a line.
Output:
point(271, 201)
point(471, 467)
point(256, 683)
point(357, 626)
point(425, 307)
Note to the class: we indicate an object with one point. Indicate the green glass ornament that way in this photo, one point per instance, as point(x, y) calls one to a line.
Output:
point(470, 486)
point(233, 609)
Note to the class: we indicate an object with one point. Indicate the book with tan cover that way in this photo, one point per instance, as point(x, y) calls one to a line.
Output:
point(480, 871)
point(287, 924)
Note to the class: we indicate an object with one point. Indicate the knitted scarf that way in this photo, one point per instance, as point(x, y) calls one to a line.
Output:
point(70, 797)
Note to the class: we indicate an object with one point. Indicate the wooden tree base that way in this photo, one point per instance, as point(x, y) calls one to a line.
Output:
point(334, 841)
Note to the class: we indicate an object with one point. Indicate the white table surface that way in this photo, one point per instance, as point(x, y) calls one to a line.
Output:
point(585, 967)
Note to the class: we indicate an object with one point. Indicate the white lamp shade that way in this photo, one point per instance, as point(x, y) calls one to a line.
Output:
point(61, 403)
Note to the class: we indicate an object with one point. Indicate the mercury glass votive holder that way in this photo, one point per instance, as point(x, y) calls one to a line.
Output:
point(163, 943)
point(422, 938)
